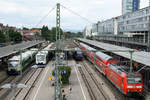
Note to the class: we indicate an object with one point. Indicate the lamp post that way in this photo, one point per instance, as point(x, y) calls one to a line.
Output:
point(13, 86)
point(131, 56)
point(21, 62)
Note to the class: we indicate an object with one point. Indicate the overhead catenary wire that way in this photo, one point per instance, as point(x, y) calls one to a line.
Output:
point(77, 14)
point(45, 16)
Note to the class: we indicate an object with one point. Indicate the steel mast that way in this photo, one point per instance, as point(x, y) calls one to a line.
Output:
point(57, 63)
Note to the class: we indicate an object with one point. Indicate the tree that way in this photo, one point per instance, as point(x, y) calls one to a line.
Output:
point(49, 34)
point(24, 28)
point(14, 36)
point(79, 34)
point(45, 32)
point(2, 37)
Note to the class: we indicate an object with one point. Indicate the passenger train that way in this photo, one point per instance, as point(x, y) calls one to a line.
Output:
point(43, 56)
point(78, 55)
point(18, 63)
point(107, 65)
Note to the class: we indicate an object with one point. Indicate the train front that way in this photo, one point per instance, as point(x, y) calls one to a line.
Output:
point(134, 84)
point(13, 66)
point(41, 59)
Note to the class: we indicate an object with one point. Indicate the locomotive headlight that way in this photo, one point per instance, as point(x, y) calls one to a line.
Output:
point(138, 86)
point(129, 86)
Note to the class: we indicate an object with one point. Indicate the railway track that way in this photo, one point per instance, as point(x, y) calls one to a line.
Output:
point(22, 94)
point(94, 87)
point(118, 95)
point(11, 79)
point(91, 92)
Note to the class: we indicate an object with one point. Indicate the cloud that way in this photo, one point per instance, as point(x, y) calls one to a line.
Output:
point(28, 12)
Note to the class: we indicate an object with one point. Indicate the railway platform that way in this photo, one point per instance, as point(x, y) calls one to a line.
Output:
point(77, 85)
point(43, 90)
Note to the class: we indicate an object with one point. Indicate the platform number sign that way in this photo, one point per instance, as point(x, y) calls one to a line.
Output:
point(63, 72)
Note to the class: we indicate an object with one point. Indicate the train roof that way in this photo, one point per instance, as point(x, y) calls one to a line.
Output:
point(103, 56)
point(87, 47)
point(48, 47)
point(45, 50)
point(42, 52)
point(77, 48)
point(139, 56)
point(24, 54)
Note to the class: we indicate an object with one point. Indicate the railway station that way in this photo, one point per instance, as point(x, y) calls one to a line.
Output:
point(107, 60)
point(140, 59)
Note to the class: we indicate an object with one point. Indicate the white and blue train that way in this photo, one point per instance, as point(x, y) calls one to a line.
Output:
point(18, 63)
point(43, 56)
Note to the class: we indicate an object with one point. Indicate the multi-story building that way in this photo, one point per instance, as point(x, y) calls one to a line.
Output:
point(87, 31)
point(130, 6)
point(135, 5)
point(137, 21)
point(95, 29)
point(134, 22)
point(126, 6)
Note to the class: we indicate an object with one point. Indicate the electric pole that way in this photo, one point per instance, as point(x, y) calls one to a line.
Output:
point(57, 63)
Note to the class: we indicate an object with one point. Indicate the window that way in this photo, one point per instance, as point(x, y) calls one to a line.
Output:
point(133, 79)
point(13, 63)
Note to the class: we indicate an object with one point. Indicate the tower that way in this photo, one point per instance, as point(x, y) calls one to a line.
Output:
point(130, 6)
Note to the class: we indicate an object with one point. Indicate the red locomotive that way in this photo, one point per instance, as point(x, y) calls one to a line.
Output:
point(126, 83)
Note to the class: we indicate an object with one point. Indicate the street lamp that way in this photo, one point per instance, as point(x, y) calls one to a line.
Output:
point(13, 86)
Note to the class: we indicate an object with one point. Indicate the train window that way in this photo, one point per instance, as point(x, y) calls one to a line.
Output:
point(13, 63)
point(98, 58)
point(134, 79)
point(40, 57)
point(137, 79)
point(118, 71)
point(79, 52)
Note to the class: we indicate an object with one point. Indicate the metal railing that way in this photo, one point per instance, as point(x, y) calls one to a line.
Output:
point(123, 39)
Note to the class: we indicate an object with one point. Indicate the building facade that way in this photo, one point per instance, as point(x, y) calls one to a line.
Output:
point(126, 6)
point(88, 31)
point(130, 6)
point(135, 5)
point(134, 22)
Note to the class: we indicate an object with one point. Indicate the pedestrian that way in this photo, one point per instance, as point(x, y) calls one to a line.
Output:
point(70, 89)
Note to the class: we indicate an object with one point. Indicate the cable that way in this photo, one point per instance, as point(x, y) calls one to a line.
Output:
point(45, 16)
point(77, 14)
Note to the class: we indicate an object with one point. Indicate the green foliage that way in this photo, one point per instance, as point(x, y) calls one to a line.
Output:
point(64, 77)
point(14, 36)
point(72, 34)
point(89, 37)
point(24, 28)
point(49, 34)
point(2, 37)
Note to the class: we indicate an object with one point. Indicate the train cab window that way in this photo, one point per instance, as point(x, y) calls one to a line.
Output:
point(134, 79)
point(13, 63)
point(98, 58)
point(40, 57)
point(113, 67)
point(118, 71)
point(79, 52)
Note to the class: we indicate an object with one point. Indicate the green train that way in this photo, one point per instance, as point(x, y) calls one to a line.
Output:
point(18, 63)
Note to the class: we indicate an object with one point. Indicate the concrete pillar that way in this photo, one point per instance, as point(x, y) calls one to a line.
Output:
point(115, 26)
point(149, 41)
point(144, 37)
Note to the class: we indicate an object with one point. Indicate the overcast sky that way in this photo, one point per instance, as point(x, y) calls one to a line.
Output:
point(28, 13)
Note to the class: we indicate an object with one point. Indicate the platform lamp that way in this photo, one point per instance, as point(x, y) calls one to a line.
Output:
point(131, 60)
point(20, 62)
point(14, 86)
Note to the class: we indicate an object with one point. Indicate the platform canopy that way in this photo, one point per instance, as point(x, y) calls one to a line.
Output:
point(8, 50)
point(138, 56)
